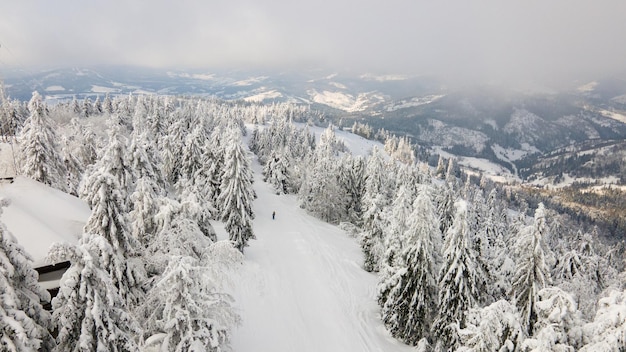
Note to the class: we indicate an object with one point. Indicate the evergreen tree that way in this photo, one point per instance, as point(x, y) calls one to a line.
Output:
point(440, 172)
point(185, 312)
point(531, 272)
point(408, 297)
point(457, 280)
point(145, 201)
point(39, 155)
point(108, 104)
point(445, 206)
point(321, 192)
point(89, 313)
point(401, 209)
point(73, 166)
point(113, 162)
point(375, 199)
point(108, 219)
point(193, 152)
point(97, 106)
point(236, 193)
point(493, 328)
point(607, 332)
point(24, 324)
point(276, 172)
point(352, 179)
point(176, 235)
point(143, 160)
point(558, 325)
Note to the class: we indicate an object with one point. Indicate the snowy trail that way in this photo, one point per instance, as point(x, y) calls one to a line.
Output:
point(302, 287)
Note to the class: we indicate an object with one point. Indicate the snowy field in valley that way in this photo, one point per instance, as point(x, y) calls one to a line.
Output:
point(302, 287)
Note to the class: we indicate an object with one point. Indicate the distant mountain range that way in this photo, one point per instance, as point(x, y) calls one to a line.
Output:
point(546, 137)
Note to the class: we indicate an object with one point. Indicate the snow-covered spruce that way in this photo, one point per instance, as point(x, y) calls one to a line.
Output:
point(39, 155)
point(531, 272)
point(184, 311)
point(410, 300)
point(457, 281)
point(108, 220)
point(89, 312)
point(236, 192)
point(24, 324)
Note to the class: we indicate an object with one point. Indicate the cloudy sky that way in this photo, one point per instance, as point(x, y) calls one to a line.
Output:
point(490, 39)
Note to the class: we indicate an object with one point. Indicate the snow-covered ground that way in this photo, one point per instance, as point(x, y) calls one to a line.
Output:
point(263, 95)
point(302, 287)
point(414, 102)
point(344, 101)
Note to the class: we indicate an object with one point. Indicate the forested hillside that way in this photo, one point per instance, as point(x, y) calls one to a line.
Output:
point(460, 265)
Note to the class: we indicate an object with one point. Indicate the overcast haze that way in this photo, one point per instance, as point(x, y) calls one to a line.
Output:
point(494, 40)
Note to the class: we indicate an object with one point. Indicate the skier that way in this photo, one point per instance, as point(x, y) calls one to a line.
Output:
point(273, 215)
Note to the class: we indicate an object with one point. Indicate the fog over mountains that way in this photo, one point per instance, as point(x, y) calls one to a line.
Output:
point(534, 135)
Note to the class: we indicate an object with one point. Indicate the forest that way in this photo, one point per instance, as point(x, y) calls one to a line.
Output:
point(460, 267)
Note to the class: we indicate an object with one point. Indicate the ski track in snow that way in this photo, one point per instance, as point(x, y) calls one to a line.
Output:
point(302, 287)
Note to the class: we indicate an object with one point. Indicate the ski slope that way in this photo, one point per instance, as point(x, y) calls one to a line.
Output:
point(302, 287)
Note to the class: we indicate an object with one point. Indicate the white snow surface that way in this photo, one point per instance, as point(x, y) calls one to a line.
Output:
point(264, 95)
point(413, 102)
point(39, 215)
point(344, 101)
point(101, 89)
point(302, 287)
point(614, 115)
point(54, 89)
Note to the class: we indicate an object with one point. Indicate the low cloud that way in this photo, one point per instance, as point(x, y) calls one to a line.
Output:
point(507, 41)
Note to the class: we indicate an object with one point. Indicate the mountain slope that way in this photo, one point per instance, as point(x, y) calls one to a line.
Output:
point(302, 287)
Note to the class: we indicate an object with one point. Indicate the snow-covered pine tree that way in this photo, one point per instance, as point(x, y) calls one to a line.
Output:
point(451, 174)
point(108, 219)
point(531, 272)
point(559, 324)
point(478, 240)
point(498, 256)
point(89, 313)
point(196, 203)
point(73, 166)
point(607, 332)
point(144, 160)
point(145, 204)
point(192, 152)
point(185, 312)
point(176, 235)
point(495, 327)
point(24, 323)
point(408, 298)
point(87, 108)
point(171, 163)
point(440, 171)
point(236, 194)
point(321, 193)
point(276, 173)
point(113, 162)
point(217, 154)
point(400, 212)
point(457, 280)
point(39, 155)
point(375, 199)
point(352, 179)
point(97, 106)
point(107, 105)
point(445, 206)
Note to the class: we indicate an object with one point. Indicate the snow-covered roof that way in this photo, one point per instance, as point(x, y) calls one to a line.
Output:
point(39, 215)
